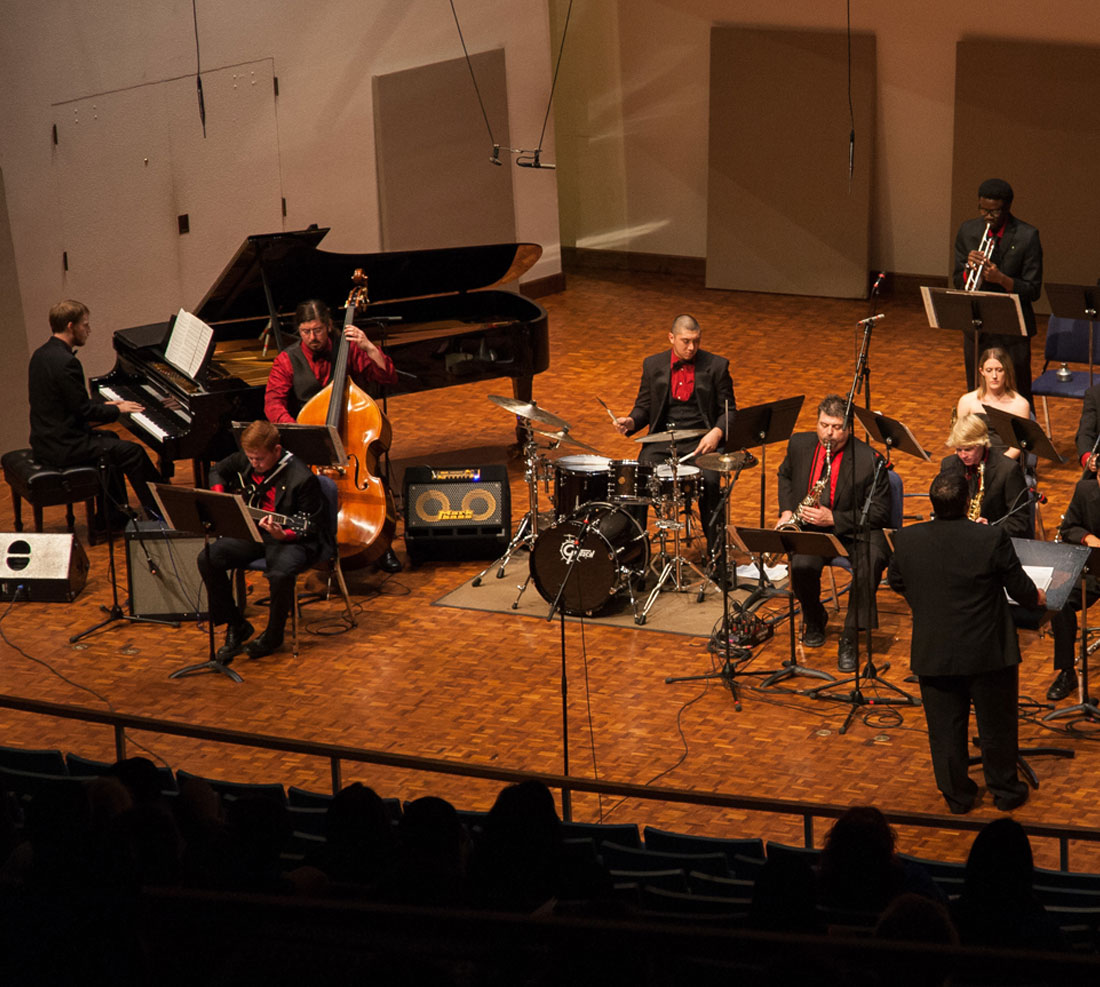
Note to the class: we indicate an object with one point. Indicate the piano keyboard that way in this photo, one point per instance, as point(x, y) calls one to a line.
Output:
point(156, 420)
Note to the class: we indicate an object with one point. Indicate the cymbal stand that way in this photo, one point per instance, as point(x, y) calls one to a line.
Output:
point(672, 566)
point(536, 467)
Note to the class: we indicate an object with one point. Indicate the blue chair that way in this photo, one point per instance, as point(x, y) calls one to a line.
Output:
point(897, 518)
point(329, 564)
point(1067, 342)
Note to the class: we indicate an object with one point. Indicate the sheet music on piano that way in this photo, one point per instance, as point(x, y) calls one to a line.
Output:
point(190, 344)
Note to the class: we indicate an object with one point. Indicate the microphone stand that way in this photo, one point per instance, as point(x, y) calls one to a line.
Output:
point(861, 557)
point(114, 612)
point(578, 541)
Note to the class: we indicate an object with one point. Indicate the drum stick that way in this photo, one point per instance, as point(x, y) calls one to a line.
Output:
point(684, 459)
point(614, 420)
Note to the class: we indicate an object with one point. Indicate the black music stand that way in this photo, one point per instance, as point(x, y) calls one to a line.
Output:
point(1085, 706)
point(975, 312)
point(1022, 433)
point(1076, 301)
point(314, 445)
point(212, 515)
point(891, 433)
point(769, 541)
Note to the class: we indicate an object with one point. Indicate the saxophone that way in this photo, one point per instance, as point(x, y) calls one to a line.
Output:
point(974, 511)
point(812, 499)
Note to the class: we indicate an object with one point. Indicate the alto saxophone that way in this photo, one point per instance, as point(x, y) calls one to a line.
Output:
point(974, 511)
point(812, 499)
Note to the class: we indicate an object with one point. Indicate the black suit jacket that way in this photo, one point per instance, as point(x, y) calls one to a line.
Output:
point(1082, 517)
point(1018, 254)
point(794, 481)
point(62, 414)
point(297, 491)
point(1089, 427)
point(713, 389)
point(954, 575)
point(1005, 489)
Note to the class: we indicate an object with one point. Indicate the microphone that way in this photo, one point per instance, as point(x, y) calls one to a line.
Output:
point(878, 282)
point(531, 159)
point(495, 158)
point(870, 321)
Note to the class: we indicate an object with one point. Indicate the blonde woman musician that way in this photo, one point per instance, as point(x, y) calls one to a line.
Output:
point(1000, 479)
point(997, 389)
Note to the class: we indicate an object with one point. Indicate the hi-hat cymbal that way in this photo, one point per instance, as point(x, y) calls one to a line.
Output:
point(675, 435)
point(726, 462)
point(529, 410)
point(567, 439)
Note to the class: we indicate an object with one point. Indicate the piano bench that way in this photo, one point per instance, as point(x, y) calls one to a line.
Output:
point(42, 486)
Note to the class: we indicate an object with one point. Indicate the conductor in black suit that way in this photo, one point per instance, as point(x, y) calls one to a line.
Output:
point(63, 415)
point(1015, 267)
point(804, 468)
point(685, 388)
point(999, 480)
point(954, 574)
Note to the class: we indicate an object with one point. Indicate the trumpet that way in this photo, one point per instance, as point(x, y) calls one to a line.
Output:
point(985, 248)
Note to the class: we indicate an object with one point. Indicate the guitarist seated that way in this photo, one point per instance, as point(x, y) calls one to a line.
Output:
point(271, 481)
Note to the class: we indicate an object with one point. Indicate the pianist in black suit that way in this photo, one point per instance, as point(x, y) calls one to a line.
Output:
point(275, 481)
point(305, 367)
point(62, 415)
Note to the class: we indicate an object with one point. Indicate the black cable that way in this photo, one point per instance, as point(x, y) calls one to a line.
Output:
point(473, 78)
point(198, 67)
point(554, 83)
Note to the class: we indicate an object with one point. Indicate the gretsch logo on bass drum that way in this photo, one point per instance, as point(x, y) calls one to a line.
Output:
point(569, 549)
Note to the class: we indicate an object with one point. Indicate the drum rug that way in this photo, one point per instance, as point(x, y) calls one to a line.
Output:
point(672, 613)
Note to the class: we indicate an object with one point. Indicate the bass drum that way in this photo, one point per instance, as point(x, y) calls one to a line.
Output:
point(611, 549)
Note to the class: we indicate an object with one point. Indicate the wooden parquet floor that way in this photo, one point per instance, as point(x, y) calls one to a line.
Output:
point(484, 687)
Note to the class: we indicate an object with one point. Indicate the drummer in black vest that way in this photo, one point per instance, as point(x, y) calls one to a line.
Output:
point(305, 367)
point(681, 389)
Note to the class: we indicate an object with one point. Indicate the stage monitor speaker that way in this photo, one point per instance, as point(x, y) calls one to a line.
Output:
point(457, 513)
point(163, 572)
point(42, 568)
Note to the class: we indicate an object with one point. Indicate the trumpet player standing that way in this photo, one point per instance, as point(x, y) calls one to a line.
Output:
point(997, 490)
point(1014, 265)
point(815, 481)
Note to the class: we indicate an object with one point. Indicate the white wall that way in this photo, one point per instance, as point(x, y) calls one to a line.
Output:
point(632, 115)
point(54, 53)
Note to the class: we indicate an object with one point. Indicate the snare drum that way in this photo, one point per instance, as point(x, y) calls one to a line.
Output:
point(687, 479)
point(629, 480)
point(579, 480)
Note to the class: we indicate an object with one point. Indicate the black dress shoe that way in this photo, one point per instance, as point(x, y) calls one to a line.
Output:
point(264, 645)
point(390, 562)
point(813, 631)
point(846, 659)
point(1062, 686)
point(1014, 801)
point(235, 636)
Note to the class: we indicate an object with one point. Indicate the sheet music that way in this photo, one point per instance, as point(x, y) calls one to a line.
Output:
point(188, 343)
point(1041, 575)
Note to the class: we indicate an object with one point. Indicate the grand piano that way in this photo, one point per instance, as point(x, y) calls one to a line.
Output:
point(437, 313)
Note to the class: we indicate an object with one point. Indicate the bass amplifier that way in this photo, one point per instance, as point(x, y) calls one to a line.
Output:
point(42, 568)
point(162, 572)
point(457, 513)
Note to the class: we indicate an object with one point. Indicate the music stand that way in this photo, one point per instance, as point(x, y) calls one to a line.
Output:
point(891, 433)
point(976, 312)
point(1089, 561)
point(1076, 301)
point(1022, 433)
point(760, 425)
point(212, 515)
point(314, 445)
point(769, 541)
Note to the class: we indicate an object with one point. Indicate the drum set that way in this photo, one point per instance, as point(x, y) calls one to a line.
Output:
point(593, 544)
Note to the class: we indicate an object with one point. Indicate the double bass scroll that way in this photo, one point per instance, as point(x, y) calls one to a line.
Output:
point(368, 516)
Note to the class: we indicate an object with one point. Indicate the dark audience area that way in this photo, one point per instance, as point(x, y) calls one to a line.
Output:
point(94, 855)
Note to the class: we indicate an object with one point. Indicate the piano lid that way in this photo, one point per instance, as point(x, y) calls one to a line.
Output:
point(296, 270)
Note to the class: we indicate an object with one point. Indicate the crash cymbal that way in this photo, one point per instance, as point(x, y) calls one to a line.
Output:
point(564, 437)
point(726, 462)
point(529, 410)
point(677, 435)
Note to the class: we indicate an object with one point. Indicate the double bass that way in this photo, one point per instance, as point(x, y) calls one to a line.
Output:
point(368, 517)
